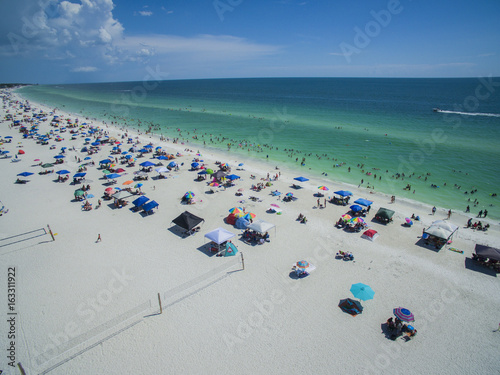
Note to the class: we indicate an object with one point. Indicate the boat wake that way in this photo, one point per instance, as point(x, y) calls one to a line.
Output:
point(468, 113)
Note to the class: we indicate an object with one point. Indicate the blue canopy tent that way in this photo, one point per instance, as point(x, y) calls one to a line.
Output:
point(112, 176)
point(140, 201)
point(148, 207)
point(241, 223)
point(64, 171)
point(301, 179)
point(78, 175)
point(343, 193)
point(232, 177)
point(147, 164)
point(363, 202)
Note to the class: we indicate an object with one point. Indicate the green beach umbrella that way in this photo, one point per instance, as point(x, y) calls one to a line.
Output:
point(79, 193)
point(47, 165)
point(210, 171)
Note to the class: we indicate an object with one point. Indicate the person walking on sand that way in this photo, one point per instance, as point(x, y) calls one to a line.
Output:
point(433, 210)
point(318, 202)
point(449, 214)
point(98, 238)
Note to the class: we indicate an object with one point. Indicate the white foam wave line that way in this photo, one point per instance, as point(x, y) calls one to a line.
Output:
point(471, 113)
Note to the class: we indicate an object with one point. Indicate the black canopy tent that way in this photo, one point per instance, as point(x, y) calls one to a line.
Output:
point(187, 220)
point(488, 252)
point(384, 214)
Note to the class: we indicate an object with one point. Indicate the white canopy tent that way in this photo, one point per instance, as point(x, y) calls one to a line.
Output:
point(219, 235)
point(261, 226)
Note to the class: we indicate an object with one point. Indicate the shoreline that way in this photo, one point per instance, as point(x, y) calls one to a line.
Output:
point(264, 165)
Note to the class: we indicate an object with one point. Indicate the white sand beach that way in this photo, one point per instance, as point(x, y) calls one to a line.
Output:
point(87, 307)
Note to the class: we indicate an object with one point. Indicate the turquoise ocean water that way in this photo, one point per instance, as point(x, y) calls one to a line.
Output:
point(385, 130)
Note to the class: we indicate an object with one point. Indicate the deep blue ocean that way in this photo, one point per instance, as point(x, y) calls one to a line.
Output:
point(382, 131)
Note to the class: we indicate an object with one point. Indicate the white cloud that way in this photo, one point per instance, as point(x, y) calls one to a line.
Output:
point(84, 69)
point(145, 13)
point(210, 47)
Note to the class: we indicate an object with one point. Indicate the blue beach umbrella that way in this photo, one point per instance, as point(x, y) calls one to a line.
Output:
point(87, 158)
point(147, 164)
point(241, 165)
point(95, 143)
point(203, 172)
point(194, 165)
point(362, 291)
point(64, 171)
point(25, 174)
point(78, 175)
point(105, 161)
point(232, 177)
point(172, 164)
point(356, 208)
point(112, 176)
point(59, 156)
point(162, 157)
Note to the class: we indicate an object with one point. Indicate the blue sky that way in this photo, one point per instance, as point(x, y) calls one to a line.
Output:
point(52, 41)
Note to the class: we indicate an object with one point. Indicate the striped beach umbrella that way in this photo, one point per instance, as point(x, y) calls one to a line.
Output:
point(404, 314)
point(322, 187)
point(303, 264)
point(236, 210)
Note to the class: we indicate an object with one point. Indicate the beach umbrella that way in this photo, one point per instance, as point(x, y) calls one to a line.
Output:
point(25, 174)
point(362, 291)
point(351, 306)
point(202, 172)
point(78, 175)
point(303, 264)
point(356, 220)
point(289, 194)
point(59, 156)
point(79, 193)
point(147, 164)
point(138, 186)
point(21, 152)
point(64, 171)
point(232, 177)
point(189, 195)
point(210, 171)
point(37, 160)
point(249, 215)
point(107, 190)
point(322, 187)
point(172, 164)
point(120, 170)
point(275, 205)
point(195, 165)
point(301, 179)
point(112, 176)
point(47, 165)
point(408, 221)
point(129, 156)
point(404, 314)
point(236, 210)
point(128, 182)
point(162, 157)
point(105, 161)
point(356, 208)
point(343, 193)
point(213, 184)
point(87, 158)
point(346, 217)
